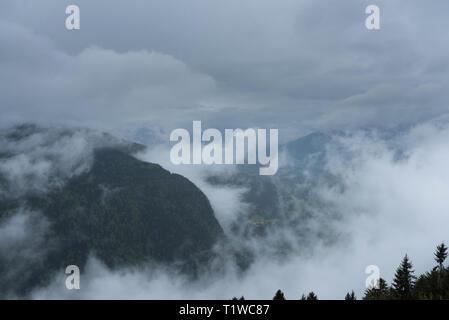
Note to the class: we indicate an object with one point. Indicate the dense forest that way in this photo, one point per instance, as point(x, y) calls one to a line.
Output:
point(432, 285)
point(124, 211)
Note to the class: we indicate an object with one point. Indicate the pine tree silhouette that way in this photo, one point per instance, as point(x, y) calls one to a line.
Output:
point(441, 255)
point(350, 296)
point(279, 295)
point(312, 296)
point(380, 292)
point(404, 280)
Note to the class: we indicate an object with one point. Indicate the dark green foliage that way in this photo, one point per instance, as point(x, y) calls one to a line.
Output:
point(435, 283)
point(441, 255)
point(279, 295)
point(426, 286)
point(432, 285)
point(404, 280)
point(124, 211)
point(380, 292)
point(310, 296)
point(128, 211)
point(350, 296)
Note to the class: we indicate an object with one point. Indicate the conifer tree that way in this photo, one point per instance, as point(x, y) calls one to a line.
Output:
point(441, 255)
point(279, 295)
point(380, 292)
point(350, 296)
point(312, 296)
point(432, 285)
point(404, 280)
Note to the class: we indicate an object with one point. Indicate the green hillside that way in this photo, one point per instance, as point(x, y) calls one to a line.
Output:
point(124, 211)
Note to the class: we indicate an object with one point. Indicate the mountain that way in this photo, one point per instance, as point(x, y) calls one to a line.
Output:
point(302, 148)
point(122, 210)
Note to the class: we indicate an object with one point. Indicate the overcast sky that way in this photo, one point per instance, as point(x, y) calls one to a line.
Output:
point(299, 66)
point(295, 65)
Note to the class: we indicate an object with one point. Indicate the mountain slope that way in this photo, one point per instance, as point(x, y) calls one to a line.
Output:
point(122, 210)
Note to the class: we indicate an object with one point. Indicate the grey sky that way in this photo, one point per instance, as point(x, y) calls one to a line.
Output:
point(294, 65)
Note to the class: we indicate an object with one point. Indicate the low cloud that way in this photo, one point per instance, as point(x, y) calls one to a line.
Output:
point(36, 159)
point(22, 247)
point(227, 201)
point(392, 200)
point(306, 67)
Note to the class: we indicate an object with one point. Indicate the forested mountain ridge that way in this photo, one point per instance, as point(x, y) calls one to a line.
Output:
point(122, 210)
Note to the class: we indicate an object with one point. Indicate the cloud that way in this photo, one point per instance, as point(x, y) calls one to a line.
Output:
point(391, 200)
point(22, 247)
point(308, 66)
point(36, 159)
point(297, 66)
point(394, 197)
point(227, 202)
point(93, 87)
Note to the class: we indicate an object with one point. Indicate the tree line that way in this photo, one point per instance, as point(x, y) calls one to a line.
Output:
point(432, 285)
